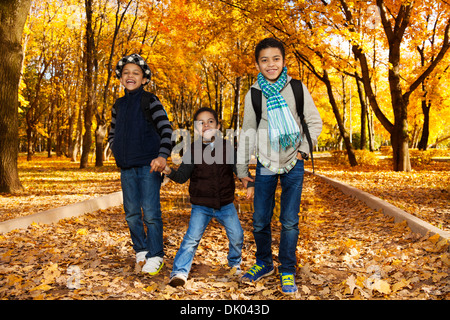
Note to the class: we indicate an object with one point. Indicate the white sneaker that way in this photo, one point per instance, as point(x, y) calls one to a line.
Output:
point(235, 271)
point(153, 265)
point(140, 261)
point(178, 280)
point(140, 257)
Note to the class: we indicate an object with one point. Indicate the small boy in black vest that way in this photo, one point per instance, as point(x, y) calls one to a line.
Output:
point(140, 139)
point(209, 164)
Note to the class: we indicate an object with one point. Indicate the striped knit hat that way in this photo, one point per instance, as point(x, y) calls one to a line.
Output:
point(136, 59)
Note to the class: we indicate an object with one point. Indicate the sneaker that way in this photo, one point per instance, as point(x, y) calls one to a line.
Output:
point(140, 261)
point(140, 257)
point(235, 270)
point(153, 265)
point(288, 285)
point(177, 280)
point(257, 272)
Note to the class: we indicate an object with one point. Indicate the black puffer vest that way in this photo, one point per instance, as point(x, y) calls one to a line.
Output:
point(212, 181)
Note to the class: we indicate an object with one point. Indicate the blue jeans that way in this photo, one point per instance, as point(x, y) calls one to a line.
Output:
point(200, 218)
point(141, 203)
point(264, 203)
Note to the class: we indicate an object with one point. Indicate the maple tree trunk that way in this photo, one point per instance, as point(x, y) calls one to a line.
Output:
point(49, 131)
point(400, 147)
point(362, 101)
point(339, 120)
point(89, 111)
point(29, 144)
point(399, 135)
point(13, 15)
point(326, 80)
point(70, 142)
point(102, 125)
point(100, 134)
point(423, 143)
point(234, 123)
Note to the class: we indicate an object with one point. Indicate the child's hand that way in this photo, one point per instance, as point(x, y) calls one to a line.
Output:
point(167, 170)
point(158, 164)
point(246, 180)
point(250, 192)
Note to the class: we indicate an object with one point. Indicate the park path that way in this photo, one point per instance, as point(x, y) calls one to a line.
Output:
point(345, 251)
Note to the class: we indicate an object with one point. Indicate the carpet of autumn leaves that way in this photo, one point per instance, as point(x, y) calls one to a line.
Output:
point(424, 192)
point(346, 251)
point(54, 182)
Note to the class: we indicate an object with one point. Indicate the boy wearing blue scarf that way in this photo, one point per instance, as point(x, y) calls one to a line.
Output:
point(280, 146)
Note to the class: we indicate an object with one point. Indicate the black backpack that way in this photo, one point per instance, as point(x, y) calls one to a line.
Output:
point(297, 87)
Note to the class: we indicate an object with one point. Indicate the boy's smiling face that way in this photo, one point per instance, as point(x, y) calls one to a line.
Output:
point(206, 125)
point(132, 77)
point(270, 63)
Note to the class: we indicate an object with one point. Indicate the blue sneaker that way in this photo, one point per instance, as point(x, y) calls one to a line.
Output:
point(288, 285)
point(257, 272)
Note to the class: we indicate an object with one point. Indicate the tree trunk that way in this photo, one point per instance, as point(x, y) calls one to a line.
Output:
point(102, 125)
point(323, 76)
point(371, 129)
point(100, 134)
point(362, 101)
point(89, 111)
point(234, 123)
point(13, 15)
point(400, 145)
point(423, 143)
point(340, 122)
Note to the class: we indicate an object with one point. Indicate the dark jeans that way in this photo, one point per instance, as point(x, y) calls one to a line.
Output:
point(264, 203)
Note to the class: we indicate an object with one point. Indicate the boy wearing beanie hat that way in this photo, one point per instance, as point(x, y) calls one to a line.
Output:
point(140, 139)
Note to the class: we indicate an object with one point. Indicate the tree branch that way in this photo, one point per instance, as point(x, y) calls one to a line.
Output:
point(433, 64)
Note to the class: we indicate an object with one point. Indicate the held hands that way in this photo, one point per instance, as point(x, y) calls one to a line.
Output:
point(251, 190)
point(158, 164)
point(167, 170)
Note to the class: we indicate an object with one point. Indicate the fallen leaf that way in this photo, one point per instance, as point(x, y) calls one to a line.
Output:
point(13, 279)
point(446, 258)
point(438, 276)
point(400, 285)
point(442, 244)
point(434, 238)
point(381, 286)
point(268, 293)
point(82, 231)
point(351, 282)
point(151, 288)
point(43, 287)
point(305, 289)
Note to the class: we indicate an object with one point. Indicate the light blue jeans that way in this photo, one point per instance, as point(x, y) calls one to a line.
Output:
point(142, 205)
point(200, 218)
point(264, 203)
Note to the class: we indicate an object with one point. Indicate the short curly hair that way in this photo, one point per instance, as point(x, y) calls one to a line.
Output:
point(269, 43)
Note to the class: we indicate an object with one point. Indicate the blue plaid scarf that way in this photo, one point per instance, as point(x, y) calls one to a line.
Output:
point(283, 129)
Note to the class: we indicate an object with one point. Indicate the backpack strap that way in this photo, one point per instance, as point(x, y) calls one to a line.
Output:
point(256, 102)
point(297, 88)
